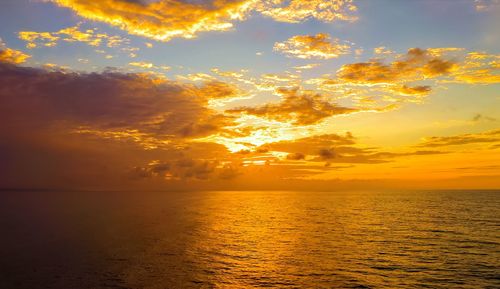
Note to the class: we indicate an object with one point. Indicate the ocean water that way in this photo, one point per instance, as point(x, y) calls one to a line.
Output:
point(77, 240)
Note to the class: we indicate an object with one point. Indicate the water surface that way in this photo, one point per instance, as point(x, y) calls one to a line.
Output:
point(250, 240)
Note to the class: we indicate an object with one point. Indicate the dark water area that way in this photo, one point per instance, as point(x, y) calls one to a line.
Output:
point(77, 240)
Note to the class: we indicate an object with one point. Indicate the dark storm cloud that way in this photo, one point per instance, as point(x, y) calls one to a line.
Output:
point(67, 129)
point(109, 100)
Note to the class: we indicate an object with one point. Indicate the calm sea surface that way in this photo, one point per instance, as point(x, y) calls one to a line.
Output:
point(250, 240)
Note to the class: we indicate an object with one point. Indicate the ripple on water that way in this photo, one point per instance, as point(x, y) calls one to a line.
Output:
point(251, 240)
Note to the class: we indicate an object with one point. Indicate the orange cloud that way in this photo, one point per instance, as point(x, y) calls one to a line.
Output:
point(312, 46)
point(335, 148)
point(165, 19)
point(409, 77)
point(415, 90)
point(217, 90)
point(104, 130)
point(425, 64)
point(492, 137)
point(312, 145)
point(417, 64)
point(300, 108)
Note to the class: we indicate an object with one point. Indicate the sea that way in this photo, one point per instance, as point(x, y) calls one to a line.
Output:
point(249, 239)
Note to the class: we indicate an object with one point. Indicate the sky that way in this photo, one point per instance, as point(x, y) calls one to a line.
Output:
point(249, 94)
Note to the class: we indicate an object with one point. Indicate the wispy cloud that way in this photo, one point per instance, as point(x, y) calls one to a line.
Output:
point(313, 46)
point(492, 136)
point(300, 108)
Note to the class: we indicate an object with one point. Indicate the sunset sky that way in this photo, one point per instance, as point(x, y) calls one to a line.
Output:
point(249, 94)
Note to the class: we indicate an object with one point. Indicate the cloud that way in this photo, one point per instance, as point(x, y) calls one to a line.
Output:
point(382, 50)
point(484, 76)
point(312, 145)
point(107, 101)
point(481, 117)
point(142, 64)
point(307, 66)
point(68, 129)
point(336, 148)
point(186, 168)
point(486, 5)
point(36, 39)
point(478, 68)
point(327, 154)
point(91, 37)
point(295, 156)
point(416, 64)
point(320, 46)
point(112, 129)
point(13, 56)
point(298, 10)
point(180, 169)
point(425, 64)
point(492, 136)
point(150, 68)
point(409, 77)
point(163, 20)
point(218, 89)
point(415, 90)
point(300, 108)
point(70, 34)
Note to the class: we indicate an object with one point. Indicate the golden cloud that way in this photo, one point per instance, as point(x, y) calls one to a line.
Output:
point(479, 68)
point(481, 76)
point(35, 39)
point(416, 64)
point(409, 77)
point(163, 20)
point(304, 108)
point(312, 46)
point(91, 37)
point(13, 56)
